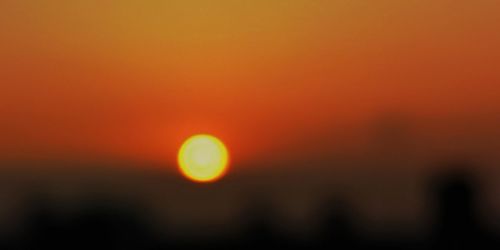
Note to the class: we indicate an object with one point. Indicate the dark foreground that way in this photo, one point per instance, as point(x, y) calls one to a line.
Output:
point(107, 224)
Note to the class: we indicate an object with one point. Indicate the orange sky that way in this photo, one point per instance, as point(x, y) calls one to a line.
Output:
point(131, 79)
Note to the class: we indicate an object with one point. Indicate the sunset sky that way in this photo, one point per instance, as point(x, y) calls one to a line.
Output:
point(124, 79)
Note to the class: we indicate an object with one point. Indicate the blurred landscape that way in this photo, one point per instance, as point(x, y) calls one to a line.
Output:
point(447, 206)
point(350, 124)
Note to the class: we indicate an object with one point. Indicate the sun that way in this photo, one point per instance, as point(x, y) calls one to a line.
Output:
point(203, 158)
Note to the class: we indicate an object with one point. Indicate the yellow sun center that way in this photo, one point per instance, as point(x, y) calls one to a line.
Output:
point(203, 158)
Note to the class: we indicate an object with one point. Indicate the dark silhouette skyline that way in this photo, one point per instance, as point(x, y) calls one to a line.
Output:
point(110, 223)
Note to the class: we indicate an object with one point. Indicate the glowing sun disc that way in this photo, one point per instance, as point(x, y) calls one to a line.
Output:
point(203, 158)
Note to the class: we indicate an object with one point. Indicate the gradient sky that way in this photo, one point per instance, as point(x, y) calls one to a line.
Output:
point(131, 79)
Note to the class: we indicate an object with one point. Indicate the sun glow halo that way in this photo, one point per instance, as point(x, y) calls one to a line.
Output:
point(203, 158)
